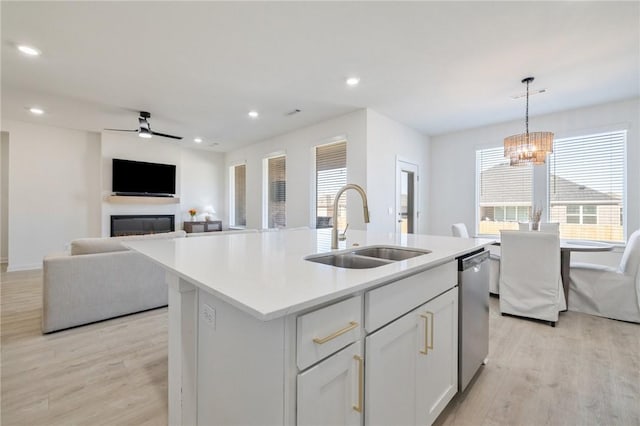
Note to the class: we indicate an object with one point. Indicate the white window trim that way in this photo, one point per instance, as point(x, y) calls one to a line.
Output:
point(232, 194)
point(265, 185)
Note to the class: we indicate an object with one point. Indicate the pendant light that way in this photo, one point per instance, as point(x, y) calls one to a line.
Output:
point(528, 148)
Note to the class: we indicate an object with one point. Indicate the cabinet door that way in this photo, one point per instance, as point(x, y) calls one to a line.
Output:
point(440, 363)
point(412, 365)
point(392, 363)
point(331, 393)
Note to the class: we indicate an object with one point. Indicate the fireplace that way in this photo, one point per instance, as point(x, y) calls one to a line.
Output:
point(141, 224)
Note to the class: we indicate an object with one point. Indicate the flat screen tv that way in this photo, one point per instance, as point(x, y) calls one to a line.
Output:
point(141, 178)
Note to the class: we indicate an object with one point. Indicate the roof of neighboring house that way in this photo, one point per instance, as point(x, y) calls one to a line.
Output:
point(504, 184)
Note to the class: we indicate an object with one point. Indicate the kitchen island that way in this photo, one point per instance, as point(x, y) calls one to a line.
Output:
point(260, 335)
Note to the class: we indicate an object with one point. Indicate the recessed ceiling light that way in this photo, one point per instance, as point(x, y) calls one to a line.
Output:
point(36, 110)
point(28, 50)
point(197, 140)
point(353, 81)
point(253, 114)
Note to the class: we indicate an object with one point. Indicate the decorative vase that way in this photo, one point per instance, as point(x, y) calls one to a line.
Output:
point(193, 218)
point(535, 226)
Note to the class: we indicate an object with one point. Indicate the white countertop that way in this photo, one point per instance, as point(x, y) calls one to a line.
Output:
point(265, 274)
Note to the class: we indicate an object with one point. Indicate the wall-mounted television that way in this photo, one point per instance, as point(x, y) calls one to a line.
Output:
point(141, 178)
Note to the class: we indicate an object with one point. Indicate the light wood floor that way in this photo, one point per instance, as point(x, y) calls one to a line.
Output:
point(109, 373)
point(586, 371)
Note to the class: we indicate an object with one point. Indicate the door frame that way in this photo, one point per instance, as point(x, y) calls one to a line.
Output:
point(405, 165)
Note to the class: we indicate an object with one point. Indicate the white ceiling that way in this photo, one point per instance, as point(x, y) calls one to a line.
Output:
point(199, 67)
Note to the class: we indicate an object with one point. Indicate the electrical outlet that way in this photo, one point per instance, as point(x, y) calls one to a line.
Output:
point(209, 315)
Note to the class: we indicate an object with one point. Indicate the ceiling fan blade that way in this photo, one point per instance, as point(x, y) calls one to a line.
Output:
point(122, 130)
point(164, 135)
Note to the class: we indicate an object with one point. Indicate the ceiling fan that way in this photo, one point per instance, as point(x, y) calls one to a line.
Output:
point(144, 131)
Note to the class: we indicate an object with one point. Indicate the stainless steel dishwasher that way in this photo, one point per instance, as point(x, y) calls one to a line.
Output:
point(473, 311)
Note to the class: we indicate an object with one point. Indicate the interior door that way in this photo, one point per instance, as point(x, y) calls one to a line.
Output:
point(406, 197)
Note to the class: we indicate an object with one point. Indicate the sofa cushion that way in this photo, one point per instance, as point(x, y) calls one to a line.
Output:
point(111, 244)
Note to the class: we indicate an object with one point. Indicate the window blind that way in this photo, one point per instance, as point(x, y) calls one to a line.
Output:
point(277, 188)
point(504, 192)
point(331, 175)
point(586, 186)
point(240, 195)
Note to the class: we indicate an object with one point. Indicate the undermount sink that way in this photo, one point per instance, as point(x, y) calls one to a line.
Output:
point(390, 253)
point(348, 260)
point(367, 257)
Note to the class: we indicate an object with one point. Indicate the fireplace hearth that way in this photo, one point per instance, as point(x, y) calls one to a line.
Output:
point(122, 225)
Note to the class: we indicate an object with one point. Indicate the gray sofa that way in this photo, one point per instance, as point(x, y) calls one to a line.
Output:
point(100, 279)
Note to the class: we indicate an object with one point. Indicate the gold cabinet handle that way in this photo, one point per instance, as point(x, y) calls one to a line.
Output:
point(358, 358)
point(428, 332)
point(321, 340)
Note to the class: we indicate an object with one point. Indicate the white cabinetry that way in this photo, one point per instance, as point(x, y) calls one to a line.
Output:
point(331, 393)
point(412, 364)
point(385, 356)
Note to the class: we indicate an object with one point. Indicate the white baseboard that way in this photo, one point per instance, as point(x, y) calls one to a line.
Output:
point(15, 268)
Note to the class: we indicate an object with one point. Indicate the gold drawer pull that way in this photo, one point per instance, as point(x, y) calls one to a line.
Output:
point(428, 332)
point(352, 325)
point(358, 407)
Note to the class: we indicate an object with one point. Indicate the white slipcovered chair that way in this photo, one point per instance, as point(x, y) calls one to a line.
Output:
point(460, 230)
point(524, 226)
point(530, 283)
point(608, 292)
point(553, 227)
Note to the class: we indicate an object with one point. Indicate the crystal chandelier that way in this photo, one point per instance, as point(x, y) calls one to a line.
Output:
point(528, 148)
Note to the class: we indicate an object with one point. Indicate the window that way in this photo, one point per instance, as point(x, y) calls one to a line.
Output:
point(586, 186)
point(585, 180)
point(238, 195)
point(504, 192)
point(331, 175)
point(275, 192)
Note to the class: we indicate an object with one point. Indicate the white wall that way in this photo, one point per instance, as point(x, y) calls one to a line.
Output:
point(132, 147)
point(298, 147)
point(374, 142)
point(4, 199)
point(54, 190)
point(199, 176)
point(453, 189)
point(387, 141)
point(58, 180)
point(202, 176)
point(453, 158)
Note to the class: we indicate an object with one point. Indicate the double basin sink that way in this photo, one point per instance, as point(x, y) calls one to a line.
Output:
point(367, 257)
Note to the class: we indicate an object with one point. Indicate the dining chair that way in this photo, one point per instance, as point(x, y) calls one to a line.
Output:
point(460, 230)
point(553, 227)
point(608, 292)
point(530, 283)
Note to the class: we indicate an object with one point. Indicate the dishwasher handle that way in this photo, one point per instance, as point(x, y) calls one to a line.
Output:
point(465, 263)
